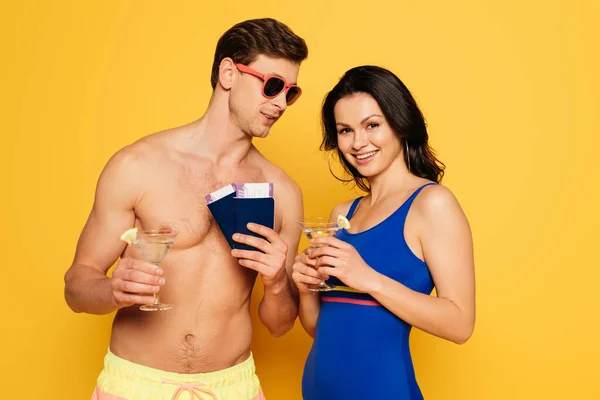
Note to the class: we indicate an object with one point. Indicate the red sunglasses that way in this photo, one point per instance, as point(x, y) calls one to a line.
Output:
point(274, 85)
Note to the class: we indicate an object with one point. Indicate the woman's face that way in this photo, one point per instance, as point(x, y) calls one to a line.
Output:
point(364, 136)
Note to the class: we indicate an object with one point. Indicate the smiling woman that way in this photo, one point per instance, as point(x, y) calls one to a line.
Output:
point(407, 236)
point(371, 103)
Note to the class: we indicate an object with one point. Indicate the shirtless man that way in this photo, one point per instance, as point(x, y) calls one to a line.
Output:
point(201, 345)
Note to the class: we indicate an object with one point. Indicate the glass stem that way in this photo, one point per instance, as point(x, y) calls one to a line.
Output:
point(156, 300)
point(322, 283)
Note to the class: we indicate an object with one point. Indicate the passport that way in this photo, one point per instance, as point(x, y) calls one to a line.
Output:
point(237, 204)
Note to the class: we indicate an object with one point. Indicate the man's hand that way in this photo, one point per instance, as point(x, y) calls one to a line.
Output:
point(135, 282)
point(271, 262)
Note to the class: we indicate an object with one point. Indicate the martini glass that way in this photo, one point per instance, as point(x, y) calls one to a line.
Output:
point(154, 246)
point(317, 227)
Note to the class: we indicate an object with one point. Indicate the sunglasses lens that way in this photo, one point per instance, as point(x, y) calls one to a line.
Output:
point(273, 86)
point(292, 95)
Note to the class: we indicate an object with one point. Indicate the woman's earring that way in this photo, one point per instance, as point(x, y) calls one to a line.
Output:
point(406, 154)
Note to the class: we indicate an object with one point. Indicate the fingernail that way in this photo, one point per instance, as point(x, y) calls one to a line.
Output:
point(250, 225)
point(236, 236)
point(159, 271)
point(234, 253)
point(155, 289)
point(161, 281)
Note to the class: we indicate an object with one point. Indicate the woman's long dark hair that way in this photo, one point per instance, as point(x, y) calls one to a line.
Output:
point(400, 110)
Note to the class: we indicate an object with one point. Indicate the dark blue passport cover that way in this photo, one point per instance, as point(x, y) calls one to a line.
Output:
point(222, 212)
point(259, 210)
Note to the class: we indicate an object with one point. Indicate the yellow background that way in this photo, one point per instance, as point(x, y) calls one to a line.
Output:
point(510, 90)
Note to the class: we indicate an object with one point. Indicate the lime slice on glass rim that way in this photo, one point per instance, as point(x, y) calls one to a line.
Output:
point(129, 235)
point(343, 222)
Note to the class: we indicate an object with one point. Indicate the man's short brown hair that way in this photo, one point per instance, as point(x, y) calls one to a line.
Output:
point(245, 41)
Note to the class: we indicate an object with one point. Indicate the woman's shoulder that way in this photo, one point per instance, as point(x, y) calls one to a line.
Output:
point(436, 200)
point(342, 209)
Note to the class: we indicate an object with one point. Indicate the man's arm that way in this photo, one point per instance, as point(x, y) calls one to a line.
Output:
point(87, 288)
point(278, 308)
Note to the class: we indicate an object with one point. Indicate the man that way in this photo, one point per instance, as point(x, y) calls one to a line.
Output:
point(201, 345)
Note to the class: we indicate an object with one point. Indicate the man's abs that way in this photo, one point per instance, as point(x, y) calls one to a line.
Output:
point(209, 327)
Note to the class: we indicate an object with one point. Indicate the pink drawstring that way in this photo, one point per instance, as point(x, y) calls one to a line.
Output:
point(194, 389)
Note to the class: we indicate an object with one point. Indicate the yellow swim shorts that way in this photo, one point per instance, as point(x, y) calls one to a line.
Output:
point(123, 380)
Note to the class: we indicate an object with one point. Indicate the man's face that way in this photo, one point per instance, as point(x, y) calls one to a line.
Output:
point(252, 112)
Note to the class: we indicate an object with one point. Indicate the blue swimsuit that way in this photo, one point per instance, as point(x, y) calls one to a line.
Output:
point(361, 349)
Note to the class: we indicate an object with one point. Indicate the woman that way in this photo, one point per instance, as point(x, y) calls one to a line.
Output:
point(406, 236)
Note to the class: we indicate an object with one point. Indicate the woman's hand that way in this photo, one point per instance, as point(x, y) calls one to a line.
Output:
point(340, 259)
point(304, 273)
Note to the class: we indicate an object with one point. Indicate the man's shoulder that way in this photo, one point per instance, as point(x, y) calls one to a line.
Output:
point(275, 174)
point(132, 154)
point(133, 169)
point(145, 149)
point(284, 180)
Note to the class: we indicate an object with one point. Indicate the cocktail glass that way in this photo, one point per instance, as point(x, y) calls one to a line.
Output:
point(317, 227)
point(154, 246)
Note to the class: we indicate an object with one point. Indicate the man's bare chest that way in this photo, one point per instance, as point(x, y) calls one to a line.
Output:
point(177, 200)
